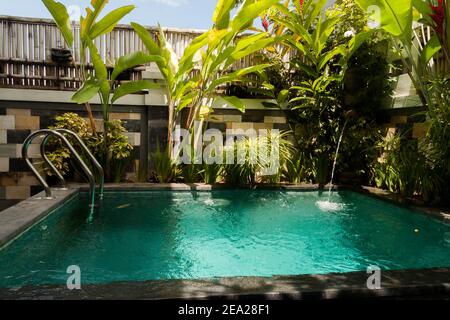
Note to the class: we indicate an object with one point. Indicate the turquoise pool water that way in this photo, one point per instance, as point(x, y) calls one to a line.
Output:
point(190, 235)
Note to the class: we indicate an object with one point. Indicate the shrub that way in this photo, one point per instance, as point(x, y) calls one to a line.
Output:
point(118, 147)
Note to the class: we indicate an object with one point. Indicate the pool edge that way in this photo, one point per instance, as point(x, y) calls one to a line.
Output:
point(401, 284)
point(364, 190)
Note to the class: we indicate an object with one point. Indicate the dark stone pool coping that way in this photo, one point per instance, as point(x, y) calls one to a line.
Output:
point(403, 284)
point(406, 283)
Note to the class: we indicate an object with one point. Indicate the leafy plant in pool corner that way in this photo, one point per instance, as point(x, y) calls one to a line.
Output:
point(119, 148)
point(428, 66)
point(58, 153)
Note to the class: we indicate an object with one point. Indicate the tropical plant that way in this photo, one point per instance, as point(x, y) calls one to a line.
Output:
point(397, 19)
point(91, 27)
point(294, 168)
point(119, 148)
point(165, 169)
point(428, 66)
point(256, 155)
point(57, 152)
point(317, 73)
point(211, 173)
point(213, 54)
point(406, 166)
point(102, 83)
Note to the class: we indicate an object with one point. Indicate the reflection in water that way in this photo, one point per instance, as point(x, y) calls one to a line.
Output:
point(173, 235)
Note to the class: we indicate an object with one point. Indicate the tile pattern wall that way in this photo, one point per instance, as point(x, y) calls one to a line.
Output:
point(413, 125)
point(252, 119)
point(16, 180)
point(16, 123)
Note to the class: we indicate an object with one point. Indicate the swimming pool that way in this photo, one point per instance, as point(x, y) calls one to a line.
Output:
point(160, 235)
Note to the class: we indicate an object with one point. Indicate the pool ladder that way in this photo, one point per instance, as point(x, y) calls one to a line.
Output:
point(61, 135)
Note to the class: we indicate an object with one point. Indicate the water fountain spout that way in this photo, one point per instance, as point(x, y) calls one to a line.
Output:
point(351, 114)
point(328, 205)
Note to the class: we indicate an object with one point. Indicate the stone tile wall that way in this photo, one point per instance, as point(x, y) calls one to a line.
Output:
point(16, 180)
point(17, 121)
point(410, 122)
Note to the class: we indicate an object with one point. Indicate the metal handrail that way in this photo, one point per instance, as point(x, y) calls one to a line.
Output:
point(83, 165)
point(100, 171)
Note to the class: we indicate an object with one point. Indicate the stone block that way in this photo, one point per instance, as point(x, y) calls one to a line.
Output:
point(34, 151)
point(216, 118)
point(3, 136)
point(278, 120)
point(25, 122)
point(134, 138)
point(232, 118)
point(17, 136)
point(420, 130)
point(8, 179)
point(17, 192)
point(18, 165)
point(18, 112)
point(242, 126)
point(7, 122)
point(253, 117)
point(4, 164)
point(263, 126)
point(132, 125)
point(8, 151)
point(399, 119)
point(27, 179)
point(125, 116)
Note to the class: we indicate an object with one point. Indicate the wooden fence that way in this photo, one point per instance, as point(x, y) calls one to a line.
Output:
point(26, 51)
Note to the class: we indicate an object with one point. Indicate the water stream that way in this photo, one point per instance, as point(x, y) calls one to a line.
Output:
point(328, 205)
point(335, 159)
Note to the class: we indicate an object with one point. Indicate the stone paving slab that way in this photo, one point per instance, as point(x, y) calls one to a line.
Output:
point(394, 284)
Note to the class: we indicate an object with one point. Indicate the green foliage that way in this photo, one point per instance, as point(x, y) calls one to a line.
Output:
point(214, 53)
point(247, 171)
point(118, 147)
point(99, 83)
point(406, 167)
point(165, 170)
point(211, 173)
point(294, 168)
point(340, 66)
point(62, 19)
point(419, 168)
point(57, 152)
